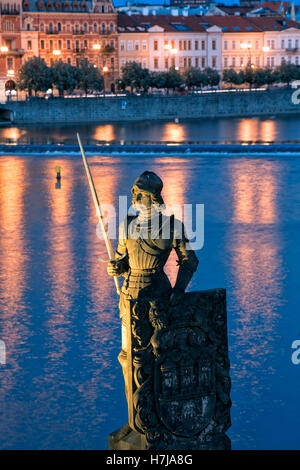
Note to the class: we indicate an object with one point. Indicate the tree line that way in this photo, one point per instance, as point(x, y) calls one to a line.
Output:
point(35, 76)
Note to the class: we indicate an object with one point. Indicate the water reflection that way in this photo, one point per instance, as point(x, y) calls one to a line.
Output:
point(256, 273)
point(174, 132)
point(252, 129)
point(104, 133)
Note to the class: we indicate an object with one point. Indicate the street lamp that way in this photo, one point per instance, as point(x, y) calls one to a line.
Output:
point(247, 46)
point(56, 52)
point(96, 47)
point(265, 49)
point(4, 49)
point(171, 51)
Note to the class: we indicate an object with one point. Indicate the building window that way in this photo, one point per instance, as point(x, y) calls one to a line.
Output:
point(225, 45)
point(189, 61)
point(77, 28)
point(95, 27)
point(112, 43)
point(68, 44)
point(103, 28)
point(122, 45)
point(51, 45)
point(233, 62)
point(77, 45)
point(233, 45)
point(202, 62)
point(282, 43)
point(58, 26)
point(289, 43)
point(155, 45)
point(8, 26)
point(111, 27)
point(197, 62)
point(42, 44)
point(137, 45)
point(42, 27)
point(184, 45)
point(272, 61)
point(156, 62)
point(50, 29)
point(130, 47)
point(10, 63)
point(180, 45)
point(256, 45)
point(144, 63)
point(257, 61)
point(213, 45)
point(68, 27)
point(297, 60)
point(296, 42)
point(69, 60)
point(166, 63)
point(241, 61)
point(189, 45)
point(85, 44)
point(196, 45)
point(214, 62)
point(225, 62)
point(203, 45)
point(144, 45)
point(272, 44)
point(184, 62)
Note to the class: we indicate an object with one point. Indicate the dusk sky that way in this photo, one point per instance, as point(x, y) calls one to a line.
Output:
point(166, 2)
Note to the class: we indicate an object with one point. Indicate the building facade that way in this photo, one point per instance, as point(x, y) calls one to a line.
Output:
point(51, 30)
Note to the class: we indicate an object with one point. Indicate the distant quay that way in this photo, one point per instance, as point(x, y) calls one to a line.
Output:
point(149, 107)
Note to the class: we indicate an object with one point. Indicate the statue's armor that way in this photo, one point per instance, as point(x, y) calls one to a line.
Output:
point(146, 256)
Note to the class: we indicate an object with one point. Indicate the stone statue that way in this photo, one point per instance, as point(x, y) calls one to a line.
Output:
point(174, 345)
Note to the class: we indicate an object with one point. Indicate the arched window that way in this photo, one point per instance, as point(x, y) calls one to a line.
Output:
point(111, 27)
point(42, 27)
point(28, 27)
point(103, 28)
point(50, 27)
point(58, 26)
point(95, 27)
point(85, 27)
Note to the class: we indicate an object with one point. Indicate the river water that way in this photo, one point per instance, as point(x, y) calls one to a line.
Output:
point(62, 386)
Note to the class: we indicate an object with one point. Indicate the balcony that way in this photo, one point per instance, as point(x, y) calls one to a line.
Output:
point(12, 52)
point(52, 31)
point(291, 49)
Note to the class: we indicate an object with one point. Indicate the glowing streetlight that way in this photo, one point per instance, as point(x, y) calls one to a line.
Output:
point(4, 49)
point(174, 51)
point(56, 52)
point(266, 48)
point(11, 73)
point(96, 47)
point(105, 68)
point(168, 47)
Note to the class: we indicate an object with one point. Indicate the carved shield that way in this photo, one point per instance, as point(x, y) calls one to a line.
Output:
point(185, 386)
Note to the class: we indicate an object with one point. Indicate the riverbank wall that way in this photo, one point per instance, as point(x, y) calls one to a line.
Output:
point(149, 107)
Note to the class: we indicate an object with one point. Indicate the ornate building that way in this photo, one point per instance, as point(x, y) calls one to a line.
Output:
point(68, 30)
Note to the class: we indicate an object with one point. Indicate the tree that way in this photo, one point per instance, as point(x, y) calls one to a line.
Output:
point(173, 79)
point(233, 77)
point(34, 75)
point(249, 74)
point(135, 76)
point(65, 77)
point(213, 77)
point(90, 78)
point(194, 78)
point(287, 72)
point(158, 79)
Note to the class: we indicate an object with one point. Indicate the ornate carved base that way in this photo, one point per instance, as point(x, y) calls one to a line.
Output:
point(176, 370)
point(127, 439)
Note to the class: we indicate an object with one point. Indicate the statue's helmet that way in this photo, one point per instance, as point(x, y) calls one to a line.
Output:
point(150, 183)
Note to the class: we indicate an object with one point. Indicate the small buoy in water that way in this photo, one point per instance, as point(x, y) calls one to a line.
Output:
point(58, 173)
point(176, 120)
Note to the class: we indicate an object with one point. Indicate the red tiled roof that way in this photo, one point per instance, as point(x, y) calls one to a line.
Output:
point(193, 23)
point(275, 5)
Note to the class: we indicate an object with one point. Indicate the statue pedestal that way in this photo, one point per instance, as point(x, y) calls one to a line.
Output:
point(177, 375)
point(126, 439)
